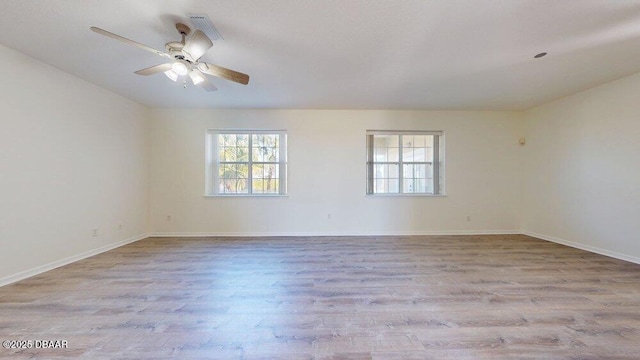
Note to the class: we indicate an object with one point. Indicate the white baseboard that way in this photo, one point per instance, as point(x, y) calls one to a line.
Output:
point(593, 249)
point(291, 234)
point(68, 260)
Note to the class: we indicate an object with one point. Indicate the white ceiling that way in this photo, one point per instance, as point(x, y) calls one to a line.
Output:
point(355, 54)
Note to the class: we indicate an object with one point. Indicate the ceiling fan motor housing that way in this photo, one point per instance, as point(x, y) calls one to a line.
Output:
point(183, 29)
point(174, 49)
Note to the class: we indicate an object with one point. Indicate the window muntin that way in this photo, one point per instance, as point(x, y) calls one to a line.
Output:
point(246, 162)
point(404, 162)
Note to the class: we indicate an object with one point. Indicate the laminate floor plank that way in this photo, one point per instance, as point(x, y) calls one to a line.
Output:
point(330, 298)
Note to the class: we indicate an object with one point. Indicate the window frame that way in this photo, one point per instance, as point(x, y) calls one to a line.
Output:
point(438, 163)
point(213, 163)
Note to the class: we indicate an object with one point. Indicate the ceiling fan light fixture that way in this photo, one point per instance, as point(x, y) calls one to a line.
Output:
point(179, 68)
point(184, 57)
point(171, 75)
point(196, 78)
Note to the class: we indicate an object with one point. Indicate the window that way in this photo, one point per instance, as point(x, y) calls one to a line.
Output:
point(405, 162)
point(246, 162)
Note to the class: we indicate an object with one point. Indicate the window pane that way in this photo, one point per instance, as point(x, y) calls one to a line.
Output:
point(393, 185)
point(380, 155)
point(407, 171)
point(233, 186)
point(241, 186)
point(407, 185)
point(235, 158)
point(415, 178)
point(257, 139)
point(415, 161)
point(242, 140)
point(429, 148)
point(393, 154)
point(266, 147)
point(258, 186)
point(393, 171)
point(228, 186)
point(242, 170)
point(385, 141)
point(407, 154)
point(226, 154)
point(429, 179)
point(275, 188)
point(270, 140)
point(265, 178)
point(233, 178)
point(242, 154)
point(267, 186)
point(407, 141)
point(385, 148)
point(257, 154)
point(258, 171)
point(271, 154)
point(270, 174)
point(227, 139)
point(378, 186)
point(419, 171)
point(419, 178)
point(226, 171)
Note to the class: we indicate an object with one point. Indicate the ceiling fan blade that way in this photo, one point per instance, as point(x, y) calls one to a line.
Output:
point(207, 85)
point(198, 78)
point(128, 41)
point(224, 73)
point(197, 45)
point(154, 69)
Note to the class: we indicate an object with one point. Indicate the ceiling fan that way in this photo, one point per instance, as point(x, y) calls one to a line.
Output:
point(184, 56)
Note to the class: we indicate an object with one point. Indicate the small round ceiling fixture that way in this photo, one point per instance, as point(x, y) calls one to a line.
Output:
point(540, 55)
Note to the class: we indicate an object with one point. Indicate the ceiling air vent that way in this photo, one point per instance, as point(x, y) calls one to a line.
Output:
point(202, 22)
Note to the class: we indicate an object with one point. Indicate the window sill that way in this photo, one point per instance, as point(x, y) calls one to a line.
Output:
point(404, 195)
point(246, 196)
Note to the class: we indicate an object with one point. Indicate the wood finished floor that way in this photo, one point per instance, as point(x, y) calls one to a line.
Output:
point(426, 297)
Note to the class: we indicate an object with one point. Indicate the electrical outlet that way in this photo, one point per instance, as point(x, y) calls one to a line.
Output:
point(329, 216)
point(168, 217)
point(468, 218)
point(95, 232)
point(119, 227)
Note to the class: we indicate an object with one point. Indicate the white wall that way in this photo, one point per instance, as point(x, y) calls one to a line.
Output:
point(73, 158)
point(582, 177)
point(327, 175)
